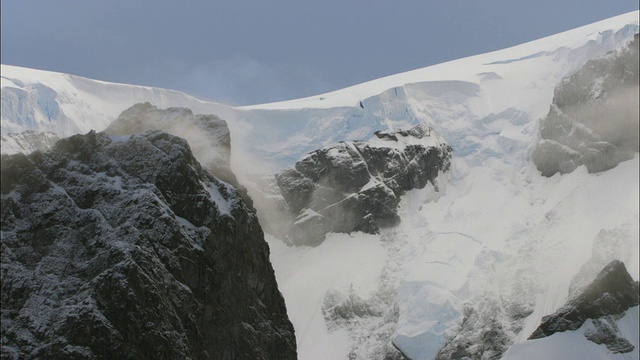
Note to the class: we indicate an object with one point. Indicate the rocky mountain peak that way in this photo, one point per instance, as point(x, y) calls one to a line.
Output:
point(611, 293)
point(125, 247)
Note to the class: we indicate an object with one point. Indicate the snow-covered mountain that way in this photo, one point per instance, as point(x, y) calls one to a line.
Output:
point(476, 262)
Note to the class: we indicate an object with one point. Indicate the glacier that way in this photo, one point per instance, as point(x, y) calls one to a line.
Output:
point(493, 238)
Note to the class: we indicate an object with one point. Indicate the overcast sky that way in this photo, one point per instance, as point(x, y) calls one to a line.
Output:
point(247, 52)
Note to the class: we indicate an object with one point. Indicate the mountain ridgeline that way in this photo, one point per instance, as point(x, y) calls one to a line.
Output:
point(125, 247)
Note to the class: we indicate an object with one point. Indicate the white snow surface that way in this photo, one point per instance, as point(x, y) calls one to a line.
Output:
point(69, 104)
point(304, 276)
point(465, 69)
point(496, 229)
point(224, 204)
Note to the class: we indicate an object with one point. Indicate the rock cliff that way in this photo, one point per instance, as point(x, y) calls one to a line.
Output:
point(356, 186)
point(124, 247)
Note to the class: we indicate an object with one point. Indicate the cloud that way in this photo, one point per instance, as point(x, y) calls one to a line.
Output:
point(242, 80)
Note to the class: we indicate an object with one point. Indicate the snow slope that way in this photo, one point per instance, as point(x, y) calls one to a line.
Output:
point(498, 238)
point(68, 104)
point(467, 69)
point(501, 239)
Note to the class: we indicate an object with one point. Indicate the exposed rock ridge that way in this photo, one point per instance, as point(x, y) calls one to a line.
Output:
point(607, 298)
point(593, 120)
point(124, 247)
point(356, 186)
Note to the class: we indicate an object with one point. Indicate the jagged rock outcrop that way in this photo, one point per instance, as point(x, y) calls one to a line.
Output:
point(124, 247)
point(605, 331)
point(611, 294)
point(356, 186)
point(208, 135)
point(486, 331)
point(593, 120)
point(27, 142)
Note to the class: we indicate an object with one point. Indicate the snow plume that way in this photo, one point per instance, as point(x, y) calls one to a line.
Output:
point(208, 135)
point(614, 120)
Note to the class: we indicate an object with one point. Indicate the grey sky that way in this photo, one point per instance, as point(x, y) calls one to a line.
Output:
point(245, 52)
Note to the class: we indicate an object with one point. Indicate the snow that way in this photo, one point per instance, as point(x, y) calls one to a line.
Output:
point(306, 215)
point(446, 242)
point(499, 230)
point(465, 69)
point(27, 142)
point(84, 104)
point(431, 140)
point(224, 204)
point(304, 276)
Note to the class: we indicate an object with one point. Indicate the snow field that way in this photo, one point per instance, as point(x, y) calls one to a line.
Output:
point(342, 262)
point(499, 232)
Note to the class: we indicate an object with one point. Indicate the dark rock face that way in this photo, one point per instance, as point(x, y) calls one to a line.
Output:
point(609, 295)
point(124, 247)
point(593, 120)
point(356, 186)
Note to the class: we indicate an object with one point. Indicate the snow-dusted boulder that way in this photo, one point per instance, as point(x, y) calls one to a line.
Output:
point(124, 247)
point(593, 120)
point(607, 299)
point(356, 186)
